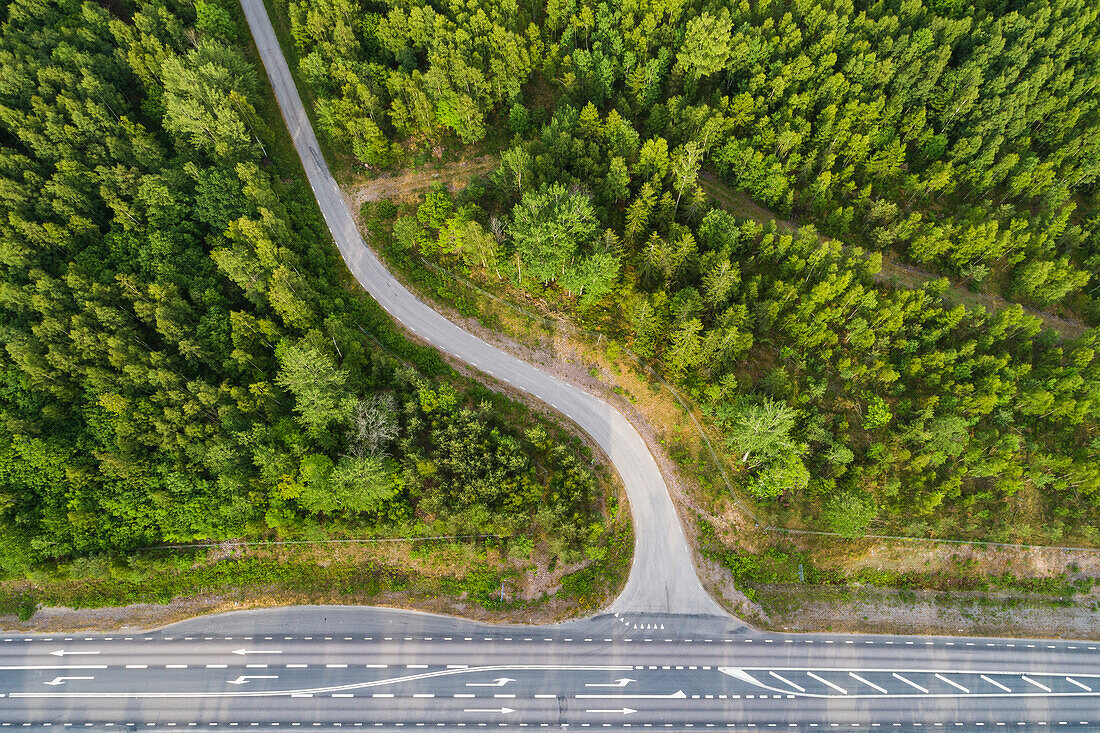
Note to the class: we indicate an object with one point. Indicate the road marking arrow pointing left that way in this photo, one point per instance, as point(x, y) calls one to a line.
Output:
point(63, 653)
point(242, 652)
point(245, 679)
point(62, 680)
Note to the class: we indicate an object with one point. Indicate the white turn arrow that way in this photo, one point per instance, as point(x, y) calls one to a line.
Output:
point(244, 680)
point(498, 682)
point(63, 653)
point(621, 682)
point(242, 652)
point(489, 710)
point(62, 680)
point(620, 711)
point(678, 695)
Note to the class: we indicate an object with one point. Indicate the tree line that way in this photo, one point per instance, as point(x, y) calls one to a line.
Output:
point(852, 402)
point(184, 357)
point(964, 139)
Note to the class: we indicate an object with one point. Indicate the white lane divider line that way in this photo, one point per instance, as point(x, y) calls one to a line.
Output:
point(464, 694)
point(867, 682)
point(951, 682)
point(296, 666)
point(342, 694)
point(824, 681)
point(382, 694)
point(995, 683)
point(1041, 686)
point(336, 666)
point(217, 666)
point(784, 680)
point(175, 666)
point(424, 694)
point(911, 683)
point(137, 666)
point(1075, 682)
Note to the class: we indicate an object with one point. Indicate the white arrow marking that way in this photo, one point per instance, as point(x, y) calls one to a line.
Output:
point(63, 653)
point(502, 711)
point(620, 711)
point(498, 682)
point(62, 680)
point(245, 679)
point(678, 695)
point(242, 652)
point(621, 682)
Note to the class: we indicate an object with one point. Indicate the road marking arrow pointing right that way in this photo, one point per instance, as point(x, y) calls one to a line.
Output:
point(489, 710)
point(678, 695)
point(620, 711)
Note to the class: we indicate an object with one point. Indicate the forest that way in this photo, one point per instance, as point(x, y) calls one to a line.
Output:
point(184, 356)
point(961, 139)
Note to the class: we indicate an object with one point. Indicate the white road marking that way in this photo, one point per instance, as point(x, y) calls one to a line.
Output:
point(910, 682)
point(63, 653)
point(502, 711)
point(621, 682)
point(1075, 682)
point(62, 680)
point(951, 682)
point(242, 652)
point(619, 711)
point(868, 682)
point(678, 695)
point(245, 679)
point(821, 679)
point(995, 683)
point(137, 666)
point(783, 679)
point(498, 682)
point(1027, 679)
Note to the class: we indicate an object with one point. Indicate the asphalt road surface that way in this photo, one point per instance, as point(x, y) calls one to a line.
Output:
point(327, 668)
point(665, 657)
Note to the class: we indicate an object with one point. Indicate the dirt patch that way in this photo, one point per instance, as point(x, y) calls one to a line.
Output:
point(407, 186)
point(877, 610)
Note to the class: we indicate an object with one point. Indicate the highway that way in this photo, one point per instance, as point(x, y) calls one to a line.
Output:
point(328, 668)
point(665, 656)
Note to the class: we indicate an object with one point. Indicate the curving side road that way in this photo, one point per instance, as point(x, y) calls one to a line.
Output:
point(662, 578)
